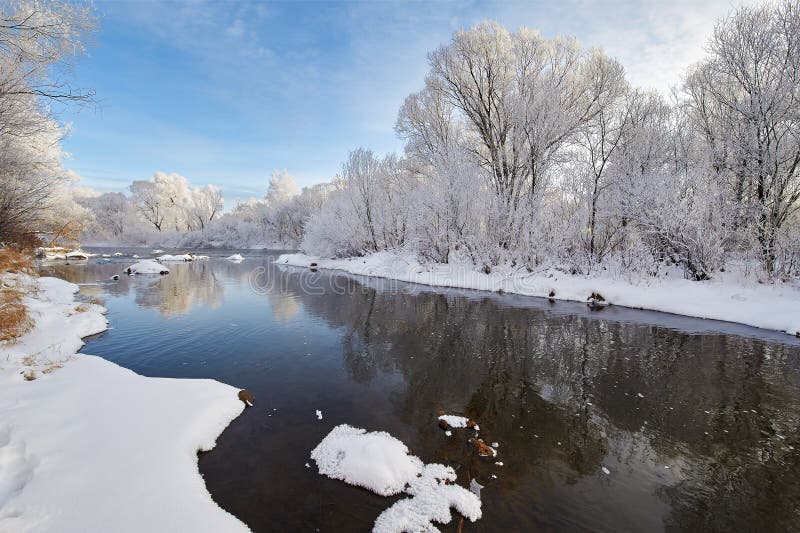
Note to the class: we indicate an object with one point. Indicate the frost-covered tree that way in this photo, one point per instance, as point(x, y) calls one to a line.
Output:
point(204, 204)
point(282, 187)
point(39, 42)
point(164, 201)
point(114, 215)
point(745, 100)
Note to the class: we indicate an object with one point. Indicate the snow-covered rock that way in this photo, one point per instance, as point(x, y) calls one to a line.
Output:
point(78, 254)
point(176, 258)
point(147, 266)
point(383, 464)
point(236, 258)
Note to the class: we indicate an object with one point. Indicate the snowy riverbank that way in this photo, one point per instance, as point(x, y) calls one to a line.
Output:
point(86, 445)
point(775, 306)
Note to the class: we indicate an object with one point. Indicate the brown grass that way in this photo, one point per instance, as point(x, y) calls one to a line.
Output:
point(14, 319)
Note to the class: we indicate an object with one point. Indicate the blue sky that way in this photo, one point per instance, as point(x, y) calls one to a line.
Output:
point(225, 92)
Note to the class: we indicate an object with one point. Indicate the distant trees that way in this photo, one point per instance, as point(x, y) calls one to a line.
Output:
point(38, 45)
point(167, 210)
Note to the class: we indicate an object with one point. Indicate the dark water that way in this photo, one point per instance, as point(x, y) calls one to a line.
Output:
point(564, 391)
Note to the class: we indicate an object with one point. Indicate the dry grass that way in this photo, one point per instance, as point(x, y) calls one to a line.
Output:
point(14, 319)
point(34, 366)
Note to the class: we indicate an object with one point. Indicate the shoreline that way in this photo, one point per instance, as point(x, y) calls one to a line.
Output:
point(126, 444)
point(769, 307)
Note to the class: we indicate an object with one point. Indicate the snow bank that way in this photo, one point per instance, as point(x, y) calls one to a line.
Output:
point(383, 464)
point(147, 266)
point(775, 307)
point(57, 253)
point(87, 445)
point(236, 258)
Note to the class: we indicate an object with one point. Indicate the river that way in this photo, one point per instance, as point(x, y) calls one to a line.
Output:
point(610, 420)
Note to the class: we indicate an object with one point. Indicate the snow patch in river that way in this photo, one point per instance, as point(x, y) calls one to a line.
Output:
point(383, 464)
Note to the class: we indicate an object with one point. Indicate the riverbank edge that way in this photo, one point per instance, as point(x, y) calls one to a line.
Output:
point(123, 445)
point(767, 306)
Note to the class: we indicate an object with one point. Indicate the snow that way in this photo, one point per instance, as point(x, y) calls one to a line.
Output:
point(236, 258)
point(176, 258)
point(376, 460)
point(91, 446)
point(383, 464)
point(57, 253)
point(147, 266)
point(455, 421)
point(727, 297)
point(431, 501)
point(319, 414)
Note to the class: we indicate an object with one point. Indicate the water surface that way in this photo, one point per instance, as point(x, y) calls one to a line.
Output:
point(696, 421)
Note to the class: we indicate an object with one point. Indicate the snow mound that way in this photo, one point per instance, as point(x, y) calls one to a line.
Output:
point(176, 258)
point(236, 258)
point(147, 266)
point(383, 464)
point(376, 460)
point(78, 254)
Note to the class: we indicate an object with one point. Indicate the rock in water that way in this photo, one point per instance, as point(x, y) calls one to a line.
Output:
point(247, 397)
point(484, 450)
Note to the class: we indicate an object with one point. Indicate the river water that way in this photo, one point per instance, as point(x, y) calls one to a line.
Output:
point(695, 422)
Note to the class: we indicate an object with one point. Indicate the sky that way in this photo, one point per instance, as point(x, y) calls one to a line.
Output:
point(225, 92)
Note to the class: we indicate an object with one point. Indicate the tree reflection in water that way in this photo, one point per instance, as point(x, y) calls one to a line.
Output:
point(565, 394)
